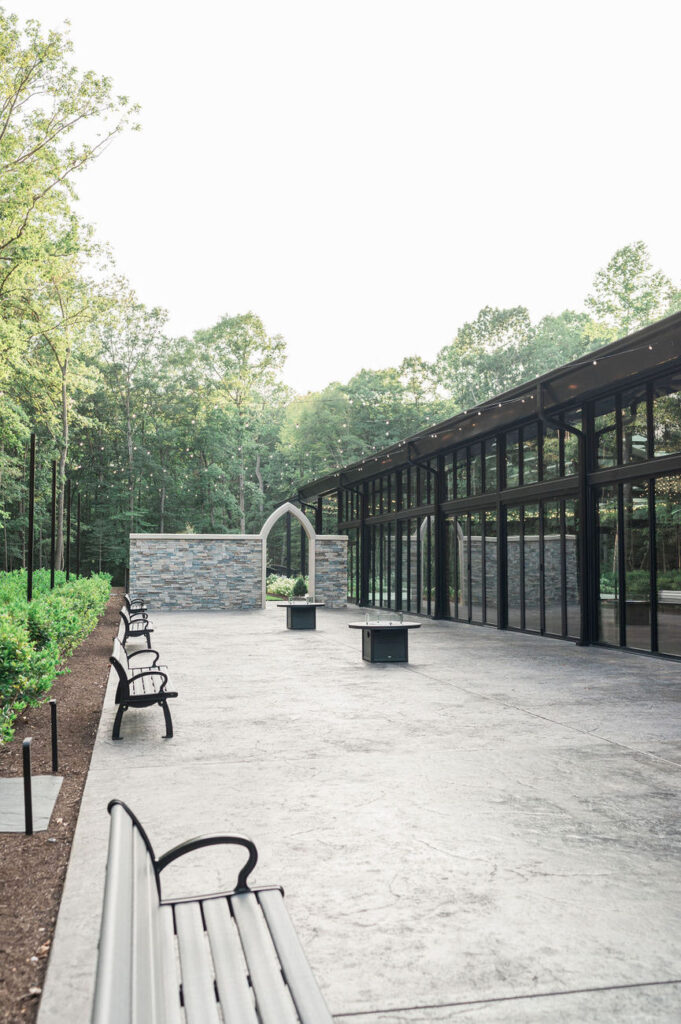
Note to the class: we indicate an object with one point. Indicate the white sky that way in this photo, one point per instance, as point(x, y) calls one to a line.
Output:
point(366, 176)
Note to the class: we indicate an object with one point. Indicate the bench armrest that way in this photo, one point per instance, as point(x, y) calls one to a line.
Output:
point(216, 840)
point(156, 654)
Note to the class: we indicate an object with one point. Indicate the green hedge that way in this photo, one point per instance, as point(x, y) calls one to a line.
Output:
point(35, 638)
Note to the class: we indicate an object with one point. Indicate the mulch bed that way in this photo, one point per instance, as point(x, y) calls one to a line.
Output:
point(33, 868)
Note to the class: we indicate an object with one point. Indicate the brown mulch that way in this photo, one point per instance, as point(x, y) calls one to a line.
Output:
point(32, 868)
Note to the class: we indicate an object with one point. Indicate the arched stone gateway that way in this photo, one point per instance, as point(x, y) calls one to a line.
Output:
point(228, 571)
point(288, 509)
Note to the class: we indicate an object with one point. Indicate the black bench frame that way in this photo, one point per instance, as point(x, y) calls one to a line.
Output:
point(135, 627)
point(132, 691)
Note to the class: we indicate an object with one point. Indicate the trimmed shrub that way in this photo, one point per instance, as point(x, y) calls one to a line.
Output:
point(35, 638)
point(300, 587)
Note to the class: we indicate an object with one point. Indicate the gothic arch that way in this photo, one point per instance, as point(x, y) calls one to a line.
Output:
point(288, 508)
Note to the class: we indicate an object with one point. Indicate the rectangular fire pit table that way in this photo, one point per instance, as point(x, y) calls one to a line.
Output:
point(385, 641)
point(301, 614)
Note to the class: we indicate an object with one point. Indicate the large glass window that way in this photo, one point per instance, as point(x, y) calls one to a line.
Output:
point(667, 416)
point(636, 563)
point(634, 424)
point(570, 443)
point(668, 561)
point(491, 464)
point(451, 566)
point(530, 454)
point(448, 487)
point(476, 566)
point(571, 569)
point(490, 524)
point(551, 454)
point(476, 469)
point(553, 569)
point(461, 474)
point(512, 458)
point(605, 431)
point(463, 568)
point(532, 567)
point(608, 566)
point(514, 560)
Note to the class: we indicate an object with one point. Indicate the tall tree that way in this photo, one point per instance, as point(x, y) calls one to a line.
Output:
point(629, 293)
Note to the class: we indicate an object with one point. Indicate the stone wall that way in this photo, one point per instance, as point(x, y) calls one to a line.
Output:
point(202, 571)
point(174, 571)
point(331, 575)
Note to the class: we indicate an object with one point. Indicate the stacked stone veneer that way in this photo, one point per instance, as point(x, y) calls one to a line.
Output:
point(331, 570)
point(174, 571)
point(200, 571)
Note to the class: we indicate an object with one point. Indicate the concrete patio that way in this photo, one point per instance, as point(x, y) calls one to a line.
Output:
point(490, 833)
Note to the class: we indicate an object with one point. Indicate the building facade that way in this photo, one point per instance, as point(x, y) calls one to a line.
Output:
point(554, 508)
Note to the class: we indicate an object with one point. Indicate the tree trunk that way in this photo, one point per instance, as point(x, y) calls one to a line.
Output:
point(242, 498)
point(162, 510)
point(59, 556)
point(261, 485)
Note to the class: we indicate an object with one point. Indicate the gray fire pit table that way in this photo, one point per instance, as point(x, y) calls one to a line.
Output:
point(385, 641)
point(301, 614)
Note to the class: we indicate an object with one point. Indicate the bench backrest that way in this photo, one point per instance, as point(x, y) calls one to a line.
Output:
point(119, 660)
point(135, 980)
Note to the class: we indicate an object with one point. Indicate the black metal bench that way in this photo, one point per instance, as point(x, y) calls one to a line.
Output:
point(139, 687)
point(225, 958)
point(134, 604)
point(135, 627)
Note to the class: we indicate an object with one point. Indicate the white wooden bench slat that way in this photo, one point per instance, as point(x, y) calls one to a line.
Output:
point(236, 996)
point(197, 980)
point(147, 987)
point(271, 996)
point(309, 1003)
point(169, 966)
point(114, 967)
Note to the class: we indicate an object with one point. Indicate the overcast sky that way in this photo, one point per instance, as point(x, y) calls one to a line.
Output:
point(366, 176)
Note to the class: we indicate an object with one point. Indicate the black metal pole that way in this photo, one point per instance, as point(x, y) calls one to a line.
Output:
point(28, 802)
point(31, 520)
point(68, 530)
point(78, 540)
point(53, 723)
point(54, 521)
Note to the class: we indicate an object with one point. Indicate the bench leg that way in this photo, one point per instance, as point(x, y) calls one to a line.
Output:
point(116, 734)
point(169, 721)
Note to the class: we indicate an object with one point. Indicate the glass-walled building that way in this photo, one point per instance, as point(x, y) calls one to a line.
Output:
point(553, 509)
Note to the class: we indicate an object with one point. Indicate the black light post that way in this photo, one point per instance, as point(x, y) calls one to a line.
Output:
point(78, 540)
point(54, 521)
point(31, 519)
point(68, 530)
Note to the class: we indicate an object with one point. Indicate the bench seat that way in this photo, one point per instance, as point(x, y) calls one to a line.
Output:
point(139, 687)
point(223, 958)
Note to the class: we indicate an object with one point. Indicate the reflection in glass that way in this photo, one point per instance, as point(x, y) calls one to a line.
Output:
point(608, 564)
point(462, 566)
point(553, 576)
point(571, 443)
point(451, 566)
point(551, 454)
point(667, 417)
point(513, 557)
point(531, 568)
point(491, 465)
point(668, 555)
point(571, 569)
point(449, 478)
point(490, 523)
point(476, 566)
point(476, 469)
point(530, 454)
point(634, 421)
point(637, 564)
point(461, 474)
point(605, 432)
point(414, 567)
point(512, 459)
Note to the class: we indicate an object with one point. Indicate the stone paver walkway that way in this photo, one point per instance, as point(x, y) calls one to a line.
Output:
point(490, 833)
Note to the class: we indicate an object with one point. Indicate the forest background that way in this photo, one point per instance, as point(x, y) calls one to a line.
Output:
point(198, 433)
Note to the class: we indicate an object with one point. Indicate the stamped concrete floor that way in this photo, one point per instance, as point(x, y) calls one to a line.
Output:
point(490, 833)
